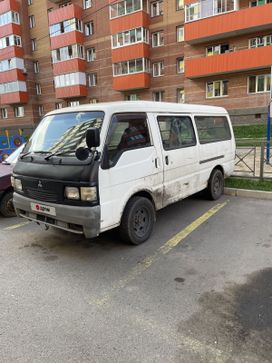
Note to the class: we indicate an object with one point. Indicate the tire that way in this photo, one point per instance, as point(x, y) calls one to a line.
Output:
point(216, 185)
point(137, 221)
point(6, 205)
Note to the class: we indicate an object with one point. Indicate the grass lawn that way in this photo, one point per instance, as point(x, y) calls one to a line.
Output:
point(241, 183)
point(249, 135)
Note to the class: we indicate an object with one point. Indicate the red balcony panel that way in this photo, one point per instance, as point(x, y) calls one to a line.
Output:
point(11, 52)
point(244, 21)
point(8, 5)
point(256, 58)
point(9, 29)
point(140, 50)
point(131, 82)
point(71, 91)
point(188, 2)
point(69, 66)
point(11, 76)
point(65, 13)
point(13, 98)
point(130, 21)
point(65, 39)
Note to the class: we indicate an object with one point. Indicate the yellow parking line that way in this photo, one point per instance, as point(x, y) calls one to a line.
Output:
point(15, 226)
point(164, 249)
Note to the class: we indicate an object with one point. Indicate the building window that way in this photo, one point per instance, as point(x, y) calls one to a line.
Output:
point(15, 86)
point(38, 88)
point(180, 65)
point(10, 40)
point(125, 7)
point(157, 39)
point(65, 26)
point(259, 84)
point(7, 64)
point(130, 37)
point(179, 4)
point(41, 110)
point(87, 4)
point(29, 2)
point(180, 34)
point(156, 8)
point(33, 44)
point(72, 103)
point(131, 66)
point(158, 69)
point(180, 95)
point(70, 79)
point(254, 3)
point(4, 112)
point(58, 105)
point(32, 22)
point(69, 52)
point(217, 49)
point(260, 41)
point(36, 67)
point(92, 79)
point(19, 111)
point(132, 97)
point(158, 96)
point(217, 89)
point(93, 100)
point(91, 55)
point(9, 17)
point(89, 28)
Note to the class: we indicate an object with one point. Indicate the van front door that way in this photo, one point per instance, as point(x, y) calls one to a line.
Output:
point(180, 157)
point(132, 165)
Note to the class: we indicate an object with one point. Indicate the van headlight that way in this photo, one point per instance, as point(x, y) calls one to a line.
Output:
point(17, 184)
point(88, 194)
point(12, 181)
point(72, 193)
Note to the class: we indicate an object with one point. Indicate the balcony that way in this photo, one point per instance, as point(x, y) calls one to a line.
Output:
point(13, 98)
point(234, 23)
point(243, 60)
point(64, 13)
point(11, 52)
point(130, 21)
point(131, 82)
point(65, 39)
point(133, 51)
point(8, 5)
point(10, 29)
point(69, 66)
point(71, 91)
point(12, 75)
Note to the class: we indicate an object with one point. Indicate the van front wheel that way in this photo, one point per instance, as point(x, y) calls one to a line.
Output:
point(138, 220)
point(216, 185)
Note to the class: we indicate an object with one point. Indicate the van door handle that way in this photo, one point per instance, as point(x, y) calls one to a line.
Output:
point(156, 163)
point(166, 160)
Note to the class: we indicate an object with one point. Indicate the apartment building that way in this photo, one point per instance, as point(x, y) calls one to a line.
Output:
point(59, 53)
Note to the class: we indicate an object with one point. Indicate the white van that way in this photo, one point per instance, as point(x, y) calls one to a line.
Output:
point(91, 168)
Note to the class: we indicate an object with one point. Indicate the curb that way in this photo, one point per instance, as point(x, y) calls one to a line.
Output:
point(259, 194)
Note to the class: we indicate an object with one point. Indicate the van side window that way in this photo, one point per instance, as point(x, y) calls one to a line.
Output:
point(176, 132)
point(127, 132)
point(212, 128)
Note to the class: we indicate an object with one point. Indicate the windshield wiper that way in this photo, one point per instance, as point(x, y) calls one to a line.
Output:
point(54, 154)
point(24, 155)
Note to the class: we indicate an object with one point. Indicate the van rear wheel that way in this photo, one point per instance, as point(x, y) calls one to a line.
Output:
point(138, 220)
point(216, 185)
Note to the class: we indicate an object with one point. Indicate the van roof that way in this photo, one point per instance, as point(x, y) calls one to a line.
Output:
point(142, 106)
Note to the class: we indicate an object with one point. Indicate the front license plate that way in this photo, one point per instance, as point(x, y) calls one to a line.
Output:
point(42, 208)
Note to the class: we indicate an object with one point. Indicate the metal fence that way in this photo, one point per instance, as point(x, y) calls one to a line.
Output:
point(251, 162)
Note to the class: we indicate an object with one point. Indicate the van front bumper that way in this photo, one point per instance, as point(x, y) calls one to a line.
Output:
point(80, 220)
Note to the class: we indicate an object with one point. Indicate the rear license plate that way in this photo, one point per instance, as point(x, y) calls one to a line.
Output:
point(42, 208)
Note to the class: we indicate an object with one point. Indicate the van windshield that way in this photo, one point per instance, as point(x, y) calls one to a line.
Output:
point(63, 133)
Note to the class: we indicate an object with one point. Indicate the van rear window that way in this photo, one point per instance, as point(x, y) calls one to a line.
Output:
point(212, 128)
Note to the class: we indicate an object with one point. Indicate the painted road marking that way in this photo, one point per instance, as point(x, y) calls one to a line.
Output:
point(163, 250)
point(15, 226)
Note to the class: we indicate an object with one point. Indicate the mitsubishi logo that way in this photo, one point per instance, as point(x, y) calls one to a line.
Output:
point(40, 184)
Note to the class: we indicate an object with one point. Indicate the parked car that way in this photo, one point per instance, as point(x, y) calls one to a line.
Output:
point(6, 190)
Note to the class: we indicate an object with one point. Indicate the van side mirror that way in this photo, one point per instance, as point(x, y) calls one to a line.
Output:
point(93, 137)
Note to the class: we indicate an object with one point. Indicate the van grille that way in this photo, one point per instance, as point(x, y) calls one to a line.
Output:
point(45, 196)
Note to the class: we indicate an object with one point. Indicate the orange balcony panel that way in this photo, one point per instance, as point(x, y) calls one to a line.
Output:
point(244, 21)
point(11, 52)
point(65, 13)
point(188, 2)
point(65, 39)
point(71, 91)
point(130, 21)
point(69, 66)
point(8, 5)
point(13, 98)
point(11, 76)
point(10, 29)
point(131, 82)
point(256, 58)
point(140, 50)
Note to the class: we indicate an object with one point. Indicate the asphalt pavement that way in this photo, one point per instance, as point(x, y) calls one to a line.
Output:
point(199, 291)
